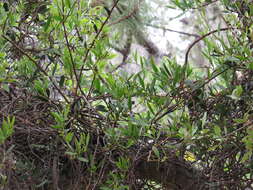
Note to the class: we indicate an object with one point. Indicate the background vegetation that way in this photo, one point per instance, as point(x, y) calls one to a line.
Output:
point(70, 119)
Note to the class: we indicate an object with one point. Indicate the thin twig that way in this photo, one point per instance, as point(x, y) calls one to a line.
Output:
point(95, 38)
point(135, 9)
point(71, 58)
point(205, 4)
point(169, 110)
point(171, 30)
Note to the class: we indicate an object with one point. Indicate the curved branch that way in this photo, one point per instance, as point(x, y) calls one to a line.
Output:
point(198, 40)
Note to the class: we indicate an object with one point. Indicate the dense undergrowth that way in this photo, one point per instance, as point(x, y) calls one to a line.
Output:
point(71, 121)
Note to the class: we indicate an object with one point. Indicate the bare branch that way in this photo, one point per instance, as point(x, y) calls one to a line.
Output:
point(170, 30)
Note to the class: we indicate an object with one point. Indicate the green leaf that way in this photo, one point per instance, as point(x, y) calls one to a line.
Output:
point(58, 117)
point(141, 81)
point(250, 65)
point(150, 108)
point(68, 3)
point(46, 26)
point(231, 61)
point(71, 153)
point(203, 121)
point(167, 70)
point(6, 87)
point(237, 92)
point(87, 141)
point(62, 80)
point(194, 129)
point(154, 67)
point(82, 159)
point(101, 108)
point(4, 129)
point(217, 130)
point(2, 137)
point(246, 156)
point(7, 129)
point(57, 127)
point(39, 87)
point(156, 151)
point(69, 137)
point(97, 84)
point(129, 103)
point(243, 120)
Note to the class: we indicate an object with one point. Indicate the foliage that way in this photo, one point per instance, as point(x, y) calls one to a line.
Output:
point(81, 124)
point(6, 129)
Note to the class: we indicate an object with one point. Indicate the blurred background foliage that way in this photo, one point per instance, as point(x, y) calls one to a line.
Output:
point(90, 98)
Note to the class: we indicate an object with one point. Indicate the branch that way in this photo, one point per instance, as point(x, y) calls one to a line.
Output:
point(146, 43)
point(136, 8)
point(38, 66)
point(96, 37)
point(124, 51)
point(205, 4)
point(198, 40)
point(71, 56)
point(170, 109)
point(170, 30)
